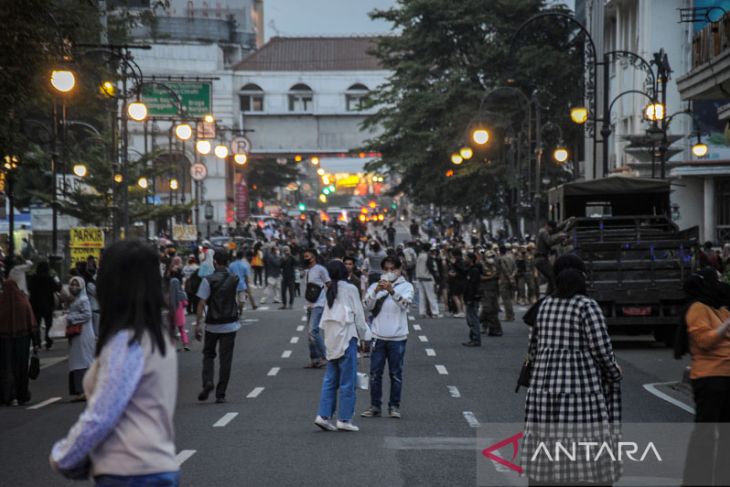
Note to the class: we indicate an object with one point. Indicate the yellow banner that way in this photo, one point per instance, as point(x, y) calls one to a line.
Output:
point(81, 254)
point(87, 237)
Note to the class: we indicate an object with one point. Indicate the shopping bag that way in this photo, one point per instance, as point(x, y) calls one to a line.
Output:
point(58, 328)
point(363, 381)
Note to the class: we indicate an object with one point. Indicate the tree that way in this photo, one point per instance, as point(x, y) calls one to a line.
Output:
point(446, 56)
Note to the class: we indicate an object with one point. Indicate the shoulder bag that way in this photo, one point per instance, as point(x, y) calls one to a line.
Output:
point(526, 371)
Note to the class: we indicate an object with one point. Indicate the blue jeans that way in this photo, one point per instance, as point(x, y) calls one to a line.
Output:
point(341, 374)
point(393, 352)
point(472, 319)
point(164, 479)
point(316, 341)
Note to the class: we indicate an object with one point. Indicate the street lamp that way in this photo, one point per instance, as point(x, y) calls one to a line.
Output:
point(315, 160)
point(143, 183)
point(321, 172)
point(480, 136)
point(560, 155)
point(579, 115)
point(203, 147)
point(63, 80)
point(174, 184)
point(137, 111)
point(240, 159)
point(700, 149)
point(80, 170)
point(183, 131)
point(466, 153)
point(221, 151)
point(209, 118)
point(654, 112)
point(456, 159)
point(107, 88)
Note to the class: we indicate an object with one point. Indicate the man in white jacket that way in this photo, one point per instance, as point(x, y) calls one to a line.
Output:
point(388, 300)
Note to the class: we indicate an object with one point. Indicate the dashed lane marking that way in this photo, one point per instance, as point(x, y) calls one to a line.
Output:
point(430, 352)
point(263, 308)
point(52, 361)
point(273, 371)
point(255, 393)
point(471, 419)
point(286, 354)
point(442, 370)
point(300, 328)
point(423, 338)
point(184, 455)
point(454, 392)
point(411, 318)
point(304, 318)
point(227, 418)
point(44, 403)
point(294, 340)
point(651, 388)
point(417, 327)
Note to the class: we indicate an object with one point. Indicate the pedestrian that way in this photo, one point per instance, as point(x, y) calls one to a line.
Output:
point(81, 337)
point(489, 316)
point(316, 281)
point(574, 384)
point(426, 276)
point(257, 264)
point(410, 257)
point(708, 257)
point(415, 230)
point(521, 275)
point(207, 264)
point(507, 278)
point(18, 328)
point(272, 269)
point(125, 437)
point(177, 302)
point(388, 300)
point(390, 231)
point(374, 255)
point(217, 294)
point(531, 275)
point(472, 297)
point(457, 281)
point(707, 322)
point(354, 276)
point(191, 286)
point(343, 323)
point(288, 276)
point(547, 238)
point(42, 287)
point(242, 269)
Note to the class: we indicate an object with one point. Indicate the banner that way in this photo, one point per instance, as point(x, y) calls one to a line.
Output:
point(81, 254)
point(184, 233)
point(85, 242)
point(242, 209)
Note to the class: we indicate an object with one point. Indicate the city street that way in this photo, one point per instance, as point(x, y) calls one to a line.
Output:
point(264, 435)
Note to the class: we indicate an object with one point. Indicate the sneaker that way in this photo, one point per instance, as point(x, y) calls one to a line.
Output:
point(371, 412)
point(203, 396)
point(459, 315)
point(346, 426)
point(324, 424)
point(394, 413)
point(472, 344)
point(187, 349)
point(220, 400)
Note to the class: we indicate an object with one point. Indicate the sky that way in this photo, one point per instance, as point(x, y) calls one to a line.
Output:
point(323, 17)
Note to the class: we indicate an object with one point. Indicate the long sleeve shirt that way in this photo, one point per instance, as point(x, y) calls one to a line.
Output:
point(340, 324)
point(392, 321)
point(710, 351)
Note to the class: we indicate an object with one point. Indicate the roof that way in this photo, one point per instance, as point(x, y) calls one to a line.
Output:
point(613, 185)
point(312, 54)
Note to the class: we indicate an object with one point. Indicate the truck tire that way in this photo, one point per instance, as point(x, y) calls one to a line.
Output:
point(665, 334)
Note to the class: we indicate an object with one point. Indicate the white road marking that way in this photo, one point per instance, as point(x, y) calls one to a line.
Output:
point(273, 371)
point(412, 318)
point(294, 340)
point(430, 352)
point(184, 455)
point(255, 393)
point(52, 361)
point(227, 418)
point(423, 338)
point(304, 318)
point(676, 402)
point(442, 370)
point(300, 328)
point(44, 403)
point(454, 392)
point(471, 419)
point(251, 320)
point(417, 327)
point(263, 308)
point(286, 354)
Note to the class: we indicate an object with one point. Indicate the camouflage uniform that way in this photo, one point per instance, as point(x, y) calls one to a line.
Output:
point(507, 271)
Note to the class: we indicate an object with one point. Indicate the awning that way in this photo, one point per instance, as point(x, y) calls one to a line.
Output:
point(613, 185)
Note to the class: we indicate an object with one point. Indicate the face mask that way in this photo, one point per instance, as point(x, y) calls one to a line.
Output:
point(490, 261)
point(74, 290)
point(389, 276)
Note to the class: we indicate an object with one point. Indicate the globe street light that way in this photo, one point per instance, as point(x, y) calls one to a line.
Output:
point(221, 151)
point(203, 147)
point(174, 184)
point(184, 131)
point(560, 155)
point(654, 112)
point(466, 153)
point(315, 160)
point(107, 88)
point(700, 149)
point(579, 115)
point(80, 170)
point(137, 111)
point(209, 118)
point(456, 158)
point(143, 183)
point(480, 136)
point(63, 80)
point(321, 172)
point(118, 178)
point(240, 159)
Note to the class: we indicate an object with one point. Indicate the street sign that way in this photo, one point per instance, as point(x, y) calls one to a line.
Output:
point(198, 171)
point(205, 130)
point(85, 242)
point(195, 98)
point(240, 145)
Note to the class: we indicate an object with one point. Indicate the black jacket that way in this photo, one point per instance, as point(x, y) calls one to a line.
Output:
point(473, 291)
point(222, 306)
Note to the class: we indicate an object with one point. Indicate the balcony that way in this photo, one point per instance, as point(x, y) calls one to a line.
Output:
point(709, 78)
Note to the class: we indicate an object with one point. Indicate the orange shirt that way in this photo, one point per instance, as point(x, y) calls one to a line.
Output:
point(710, 351)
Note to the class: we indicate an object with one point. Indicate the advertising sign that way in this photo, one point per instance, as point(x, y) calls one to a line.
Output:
point(242, 209)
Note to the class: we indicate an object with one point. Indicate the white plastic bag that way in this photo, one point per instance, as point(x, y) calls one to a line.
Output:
point(58, 329)
point(363, 381)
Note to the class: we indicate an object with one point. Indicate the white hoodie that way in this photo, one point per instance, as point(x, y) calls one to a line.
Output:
point(392, 321)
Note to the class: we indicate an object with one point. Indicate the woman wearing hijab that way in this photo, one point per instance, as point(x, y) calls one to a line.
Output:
point(574, 384)
point(178, 301)
point(81, 337)
point(125, 436)
point(343, 321)
point(707, 321)
point(17, 328)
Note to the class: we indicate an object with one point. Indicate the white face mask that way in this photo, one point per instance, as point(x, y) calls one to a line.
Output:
point(389, 276)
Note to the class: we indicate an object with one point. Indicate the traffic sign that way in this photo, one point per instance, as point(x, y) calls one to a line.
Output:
point(240, 145)
point(195, 97)
point(198, 171)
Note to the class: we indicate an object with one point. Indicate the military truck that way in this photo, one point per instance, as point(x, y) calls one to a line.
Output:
point(635, 255)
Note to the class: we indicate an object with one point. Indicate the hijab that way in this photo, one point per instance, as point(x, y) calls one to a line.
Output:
point(17, 316)
point(570, 276)
point(82, 288)
point(338, 272)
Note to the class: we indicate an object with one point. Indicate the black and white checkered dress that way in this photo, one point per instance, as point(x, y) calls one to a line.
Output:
point(574, 391)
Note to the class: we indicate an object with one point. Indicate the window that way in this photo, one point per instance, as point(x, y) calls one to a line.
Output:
point(301, 98)
point(251, 98)
point(355, 96)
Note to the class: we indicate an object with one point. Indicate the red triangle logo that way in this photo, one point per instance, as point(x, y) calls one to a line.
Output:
point(515, 442)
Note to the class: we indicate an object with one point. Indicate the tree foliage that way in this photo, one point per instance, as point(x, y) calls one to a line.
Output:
point(444, 59)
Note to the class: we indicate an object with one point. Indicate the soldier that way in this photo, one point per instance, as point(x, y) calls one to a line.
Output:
point(507, 274)
point(489, 316)
point(521, 275)
point(531, 275)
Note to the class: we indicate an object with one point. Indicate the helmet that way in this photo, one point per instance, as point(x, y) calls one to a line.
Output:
point(490, 254)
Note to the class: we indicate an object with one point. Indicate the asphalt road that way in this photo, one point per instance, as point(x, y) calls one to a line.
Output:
point(269, 439)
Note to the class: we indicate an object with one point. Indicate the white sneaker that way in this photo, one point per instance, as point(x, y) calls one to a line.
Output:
point(346, 426)
point(325, 424)
point(459, 315)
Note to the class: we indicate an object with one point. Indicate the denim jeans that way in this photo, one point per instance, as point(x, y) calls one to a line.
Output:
point(341, 374)
point(393, 352)
point(164, 479)
point(225, 343)
point(472, 319)
point(316, 341)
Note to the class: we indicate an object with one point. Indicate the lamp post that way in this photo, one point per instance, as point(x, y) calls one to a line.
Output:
point(10, 164)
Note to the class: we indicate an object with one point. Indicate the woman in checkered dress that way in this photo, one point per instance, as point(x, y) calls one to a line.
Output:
point(574, 393)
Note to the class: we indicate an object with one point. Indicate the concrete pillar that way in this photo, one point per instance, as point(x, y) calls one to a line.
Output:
point(708, 227)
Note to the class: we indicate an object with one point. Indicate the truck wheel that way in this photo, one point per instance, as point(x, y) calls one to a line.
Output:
point(665, 334)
